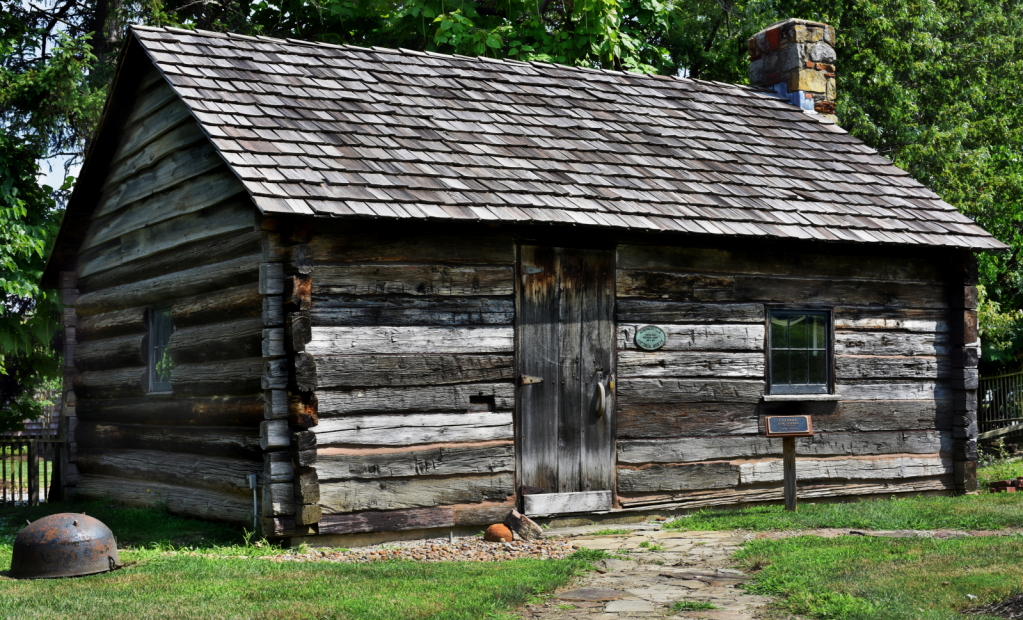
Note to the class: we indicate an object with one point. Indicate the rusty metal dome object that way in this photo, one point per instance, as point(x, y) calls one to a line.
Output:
point(63, 545)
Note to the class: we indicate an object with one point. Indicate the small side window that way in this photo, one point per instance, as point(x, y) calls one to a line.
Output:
point(160, 365)
point(800, 361)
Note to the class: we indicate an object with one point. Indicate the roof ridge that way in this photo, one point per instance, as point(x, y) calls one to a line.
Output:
point(408, 52)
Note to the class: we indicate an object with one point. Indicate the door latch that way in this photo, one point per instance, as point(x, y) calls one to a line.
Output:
point(529, 380)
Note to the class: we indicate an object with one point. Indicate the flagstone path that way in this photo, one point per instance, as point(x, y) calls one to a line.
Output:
point(657, 569)
point(654, 569)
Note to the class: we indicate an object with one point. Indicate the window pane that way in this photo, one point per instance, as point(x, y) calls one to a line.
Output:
point(800, 350)
point(798, 367)
point(779, 367)
point(160, 333)
point(819, 333)
point(818, 367)
point(165, 334)
point(797, 331)
point(779, 332)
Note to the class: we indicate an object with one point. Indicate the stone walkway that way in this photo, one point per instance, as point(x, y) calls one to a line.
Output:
point(653, 570)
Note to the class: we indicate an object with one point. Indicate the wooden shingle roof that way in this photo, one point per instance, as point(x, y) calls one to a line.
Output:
point(342, 131)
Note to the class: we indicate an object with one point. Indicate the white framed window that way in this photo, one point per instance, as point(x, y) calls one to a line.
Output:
point(799, 351)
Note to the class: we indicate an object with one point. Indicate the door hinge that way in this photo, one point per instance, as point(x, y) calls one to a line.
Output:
point(529, 270)
point(528, 380)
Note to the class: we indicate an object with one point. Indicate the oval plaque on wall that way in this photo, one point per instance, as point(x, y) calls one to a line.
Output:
point(650, 338)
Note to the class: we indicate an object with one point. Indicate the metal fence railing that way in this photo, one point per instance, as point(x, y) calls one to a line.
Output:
point(29, 470)
point(1000, 406)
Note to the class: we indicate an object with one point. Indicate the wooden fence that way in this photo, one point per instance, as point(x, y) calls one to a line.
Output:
point(29, 470)
point(1000, 406)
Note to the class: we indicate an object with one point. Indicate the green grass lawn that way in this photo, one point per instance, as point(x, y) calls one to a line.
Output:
point(848, 578)
point(987, 511)
point(861, 578)
point(212, 585)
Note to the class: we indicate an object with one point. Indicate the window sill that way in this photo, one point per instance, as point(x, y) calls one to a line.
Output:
point(783, 398)
point(161, 394)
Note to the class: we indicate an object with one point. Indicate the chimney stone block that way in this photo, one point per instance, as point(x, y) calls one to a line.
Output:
point(809, 80)
point(761, 44)
point(756, 71)
point(787, 58)
point(799, 55)
point(822, 52)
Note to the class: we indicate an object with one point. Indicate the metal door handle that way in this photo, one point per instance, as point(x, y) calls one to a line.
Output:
point(602, 403)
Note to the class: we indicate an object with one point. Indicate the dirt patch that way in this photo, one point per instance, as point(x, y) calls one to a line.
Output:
point(1010, 609)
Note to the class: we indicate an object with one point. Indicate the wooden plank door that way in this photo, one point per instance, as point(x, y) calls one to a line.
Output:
point(565, 351)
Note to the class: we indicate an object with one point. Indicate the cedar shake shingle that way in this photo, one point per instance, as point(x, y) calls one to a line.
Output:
point(344, 131)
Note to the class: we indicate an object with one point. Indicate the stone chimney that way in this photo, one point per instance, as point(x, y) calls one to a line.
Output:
point(796, 58)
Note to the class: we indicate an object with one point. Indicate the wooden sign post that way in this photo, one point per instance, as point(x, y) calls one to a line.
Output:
point(788, 427)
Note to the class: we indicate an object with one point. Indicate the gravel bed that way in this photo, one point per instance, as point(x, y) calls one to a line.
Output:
point(461, 550)
point(469, 549)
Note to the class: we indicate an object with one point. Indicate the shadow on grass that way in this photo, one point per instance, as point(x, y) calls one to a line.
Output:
point(132, 527)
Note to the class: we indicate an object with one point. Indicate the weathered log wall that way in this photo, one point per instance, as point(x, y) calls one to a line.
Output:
point(173, 227)
point(411, 341)
point(690, 415)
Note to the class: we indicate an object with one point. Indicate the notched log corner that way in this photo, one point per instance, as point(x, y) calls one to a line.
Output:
point(303, 440)
point(304, 373)
point(302, 410)
point(298, 331)
point(298, 292)
point(304, 458)
point(307, 486)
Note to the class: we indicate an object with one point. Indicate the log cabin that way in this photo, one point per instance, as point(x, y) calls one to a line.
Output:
point(334, 291)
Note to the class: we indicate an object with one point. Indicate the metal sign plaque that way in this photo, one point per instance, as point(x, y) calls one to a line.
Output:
point(650, 338)
point(789, 426)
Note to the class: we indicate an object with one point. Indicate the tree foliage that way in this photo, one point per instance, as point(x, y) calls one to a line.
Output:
point(47, 108)
point(935, 87)
point(28, 220)
point(999, 335)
